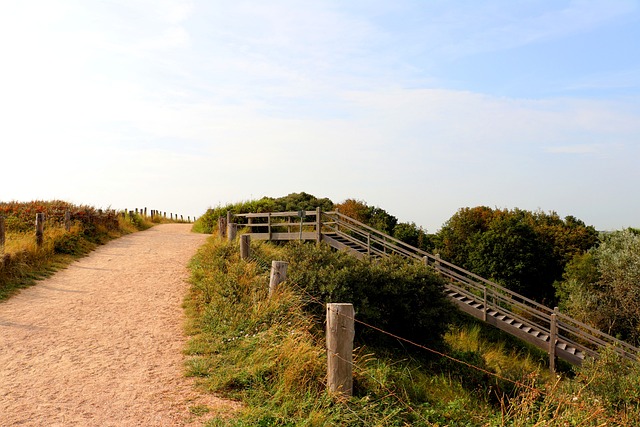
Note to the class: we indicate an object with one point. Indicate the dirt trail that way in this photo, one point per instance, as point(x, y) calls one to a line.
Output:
point(100, 343)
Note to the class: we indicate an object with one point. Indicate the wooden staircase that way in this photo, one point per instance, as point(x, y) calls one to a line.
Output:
point(502, 319)
point(556, 333)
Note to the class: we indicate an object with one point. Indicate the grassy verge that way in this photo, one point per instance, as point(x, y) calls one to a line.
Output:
point(22, 263)
point(269, 354)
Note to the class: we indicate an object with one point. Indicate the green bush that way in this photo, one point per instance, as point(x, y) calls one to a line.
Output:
point(397, 296)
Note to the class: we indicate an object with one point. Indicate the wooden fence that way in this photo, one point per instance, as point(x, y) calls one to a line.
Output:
point(66, 218)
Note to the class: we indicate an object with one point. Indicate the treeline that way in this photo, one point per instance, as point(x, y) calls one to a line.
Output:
point(556, 261)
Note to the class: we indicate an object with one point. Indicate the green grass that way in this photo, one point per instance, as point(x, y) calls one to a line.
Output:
point(269, 354)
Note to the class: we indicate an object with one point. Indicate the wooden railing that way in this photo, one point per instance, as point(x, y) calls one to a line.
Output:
point(320, 226)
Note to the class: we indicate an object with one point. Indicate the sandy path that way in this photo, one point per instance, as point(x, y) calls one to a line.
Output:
point(99, 344)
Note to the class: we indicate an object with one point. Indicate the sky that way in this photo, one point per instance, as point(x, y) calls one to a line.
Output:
point(418, 107)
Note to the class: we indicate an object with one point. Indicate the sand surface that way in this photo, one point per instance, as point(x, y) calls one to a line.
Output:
point(100, 343)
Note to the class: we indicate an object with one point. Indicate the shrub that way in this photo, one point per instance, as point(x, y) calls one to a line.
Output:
point(392, 294)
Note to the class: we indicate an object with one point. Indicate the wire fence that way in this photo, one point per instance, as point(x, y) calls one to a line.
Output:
point(264, 265)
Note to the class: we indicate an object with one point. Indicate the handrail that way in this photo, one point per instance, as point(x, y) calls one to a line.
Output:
point(570, 331)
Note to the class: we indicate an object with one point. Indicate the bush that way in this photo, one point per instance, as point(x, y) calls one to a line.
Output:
point(400, 297)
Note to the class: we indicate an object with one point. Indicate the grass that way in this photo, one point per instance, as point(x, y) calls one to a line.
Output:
point(269, 354)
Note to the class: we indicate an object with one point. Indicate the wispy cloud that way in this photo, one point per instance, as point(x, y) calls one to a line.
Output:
point(574, 149)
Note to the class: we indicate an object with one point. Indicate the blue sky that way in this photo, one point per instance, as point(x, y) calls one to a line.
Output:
point(419, 107)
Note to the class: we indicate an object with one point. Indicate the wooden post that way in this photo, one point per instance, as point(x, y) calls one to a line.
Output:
point(145, 211)
point(222, 227)
point(231, 231)
point(553, 336)
point(269, 224)
point(245, 246)
point(2, 235)
point(278, 275)
point(318, 224)
point(368, 244)
point(484, 312)
point(67, 220)
point(39, 229)
point(436, 263)
point(340, 334)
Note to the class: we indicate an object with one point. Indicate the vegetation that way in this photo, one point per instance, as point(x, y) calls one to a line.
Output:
point(372, 216)
point(269, 353)
point(293, 202)
point(602, 286)
point(22, 262)
point(390, 293)
point(524, 251)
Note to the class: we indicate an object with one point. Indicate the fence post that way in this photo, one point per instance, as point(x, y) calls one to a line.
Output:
point(340, 334)
point(278, 275)
point(39, 229)
point(484, 308)
point(222, 227)
point(436, 263)
point(2, 235)
point(269, 224)
point(231, 228)
point(245, 246)
point(318, 224)
point(553, 336)
point(67, 220)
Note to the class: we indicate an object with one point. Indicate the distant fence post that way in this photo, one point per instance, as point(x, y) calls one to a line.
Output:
point(340, 334)
point(2, 235)
point(67, 221)
point(278, 275)
point(39, 229)
point(231, 227)
point(222, 227)
point(245, 246)
point(318, 224)
point(553, 336)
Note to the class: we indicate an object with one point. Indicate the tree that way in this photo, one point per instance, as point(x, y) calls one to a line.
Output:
point(522, 250)
point(411, 234)
point(602, 288)
point(372, 216)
